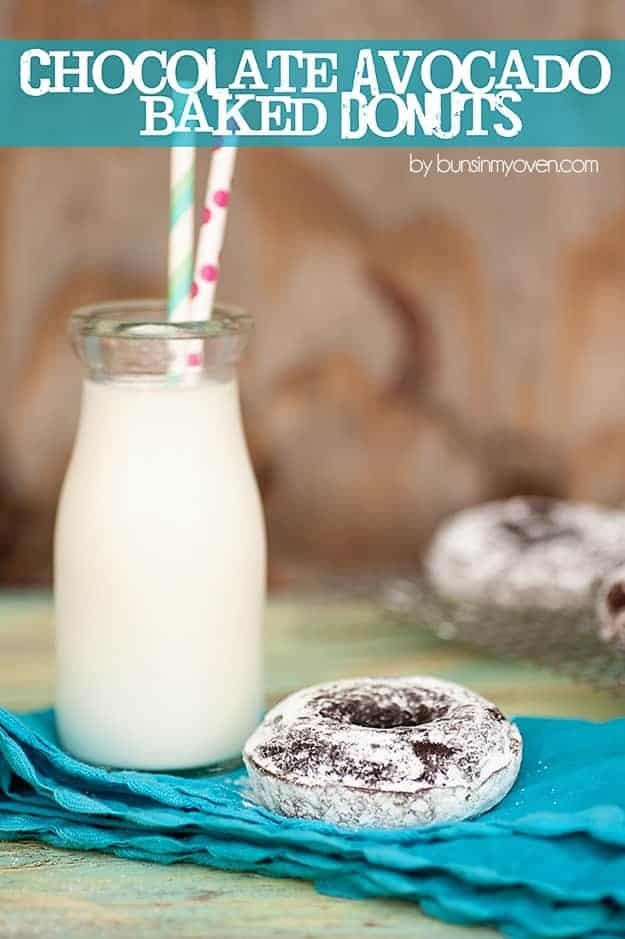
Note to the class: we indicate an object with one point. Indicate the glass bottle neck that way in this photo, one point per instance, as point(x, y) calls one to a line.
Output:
point(133, 342)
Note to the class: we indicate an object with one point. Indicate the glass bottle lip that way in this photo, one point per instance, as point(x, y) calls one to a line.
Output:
point(145, 320)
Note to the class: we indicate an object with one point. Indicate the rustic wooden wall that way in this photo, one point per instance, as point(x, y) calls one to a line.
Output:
point(421, 344)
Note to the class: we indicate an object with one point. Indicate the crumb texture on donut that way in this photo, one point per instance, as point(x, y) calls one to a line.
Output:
point(526, 552)
point(383, 753)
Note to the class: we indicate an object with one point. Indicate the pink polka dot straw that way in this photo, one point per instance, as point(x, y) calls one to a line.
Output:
point(212, 230)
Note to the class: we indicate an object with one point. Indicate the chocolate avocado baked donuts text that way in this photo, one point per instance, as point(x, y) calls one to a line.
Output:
point(385, 753)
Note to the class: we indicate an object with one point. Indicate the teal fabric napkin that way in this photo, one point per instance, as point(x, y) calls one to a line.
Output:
point(548, 861)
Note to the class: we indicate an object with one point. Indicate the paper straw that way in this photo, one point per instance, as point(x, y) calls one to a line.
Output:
point(181, 206)
point(212, 230)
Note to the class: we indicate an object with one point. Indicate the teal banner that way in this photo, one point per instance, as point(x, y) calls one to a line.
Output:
point(398, 93)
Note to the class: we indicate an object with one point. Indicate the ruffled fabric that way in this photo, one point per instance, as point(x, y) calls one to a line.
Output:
point(548, 861)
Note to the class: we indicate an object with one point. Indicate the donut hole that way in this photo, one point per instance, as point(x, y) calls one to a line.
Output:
point(379, 711)
point(616, 598)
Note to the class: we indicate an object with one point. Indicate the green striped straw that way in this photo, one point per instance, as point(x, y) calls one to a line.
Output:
point(181, 230)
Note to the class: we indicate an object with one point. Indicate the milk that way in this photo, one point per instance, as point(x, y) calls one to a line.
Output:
point(159, 578)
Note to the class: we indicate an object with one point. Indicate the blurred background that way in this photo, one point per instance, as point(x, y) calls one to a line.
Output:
point(421, 344)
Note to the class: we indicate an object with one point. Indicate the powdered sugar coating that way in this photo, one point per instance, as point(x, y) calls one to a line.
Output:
point(526, 552)
point(386, 753)
point(610, 606)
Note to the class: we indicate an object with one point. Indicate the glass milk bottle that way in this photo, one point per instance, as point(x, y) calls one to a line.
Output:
point(159, 547)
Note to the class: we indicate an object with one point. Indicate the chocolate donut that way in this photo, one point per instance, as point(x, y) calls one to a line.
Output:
point(610, 605)
point(384, 753)
point(524, 552)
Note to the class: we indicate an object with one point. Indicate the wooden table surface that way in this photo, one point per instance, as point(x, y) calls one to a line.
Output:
point(51, 893)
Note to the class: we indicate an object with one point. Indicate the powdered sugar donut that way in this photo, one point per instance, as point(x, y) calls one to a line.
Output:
point(526, 552)
point(383, 752)
point(611, 606)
